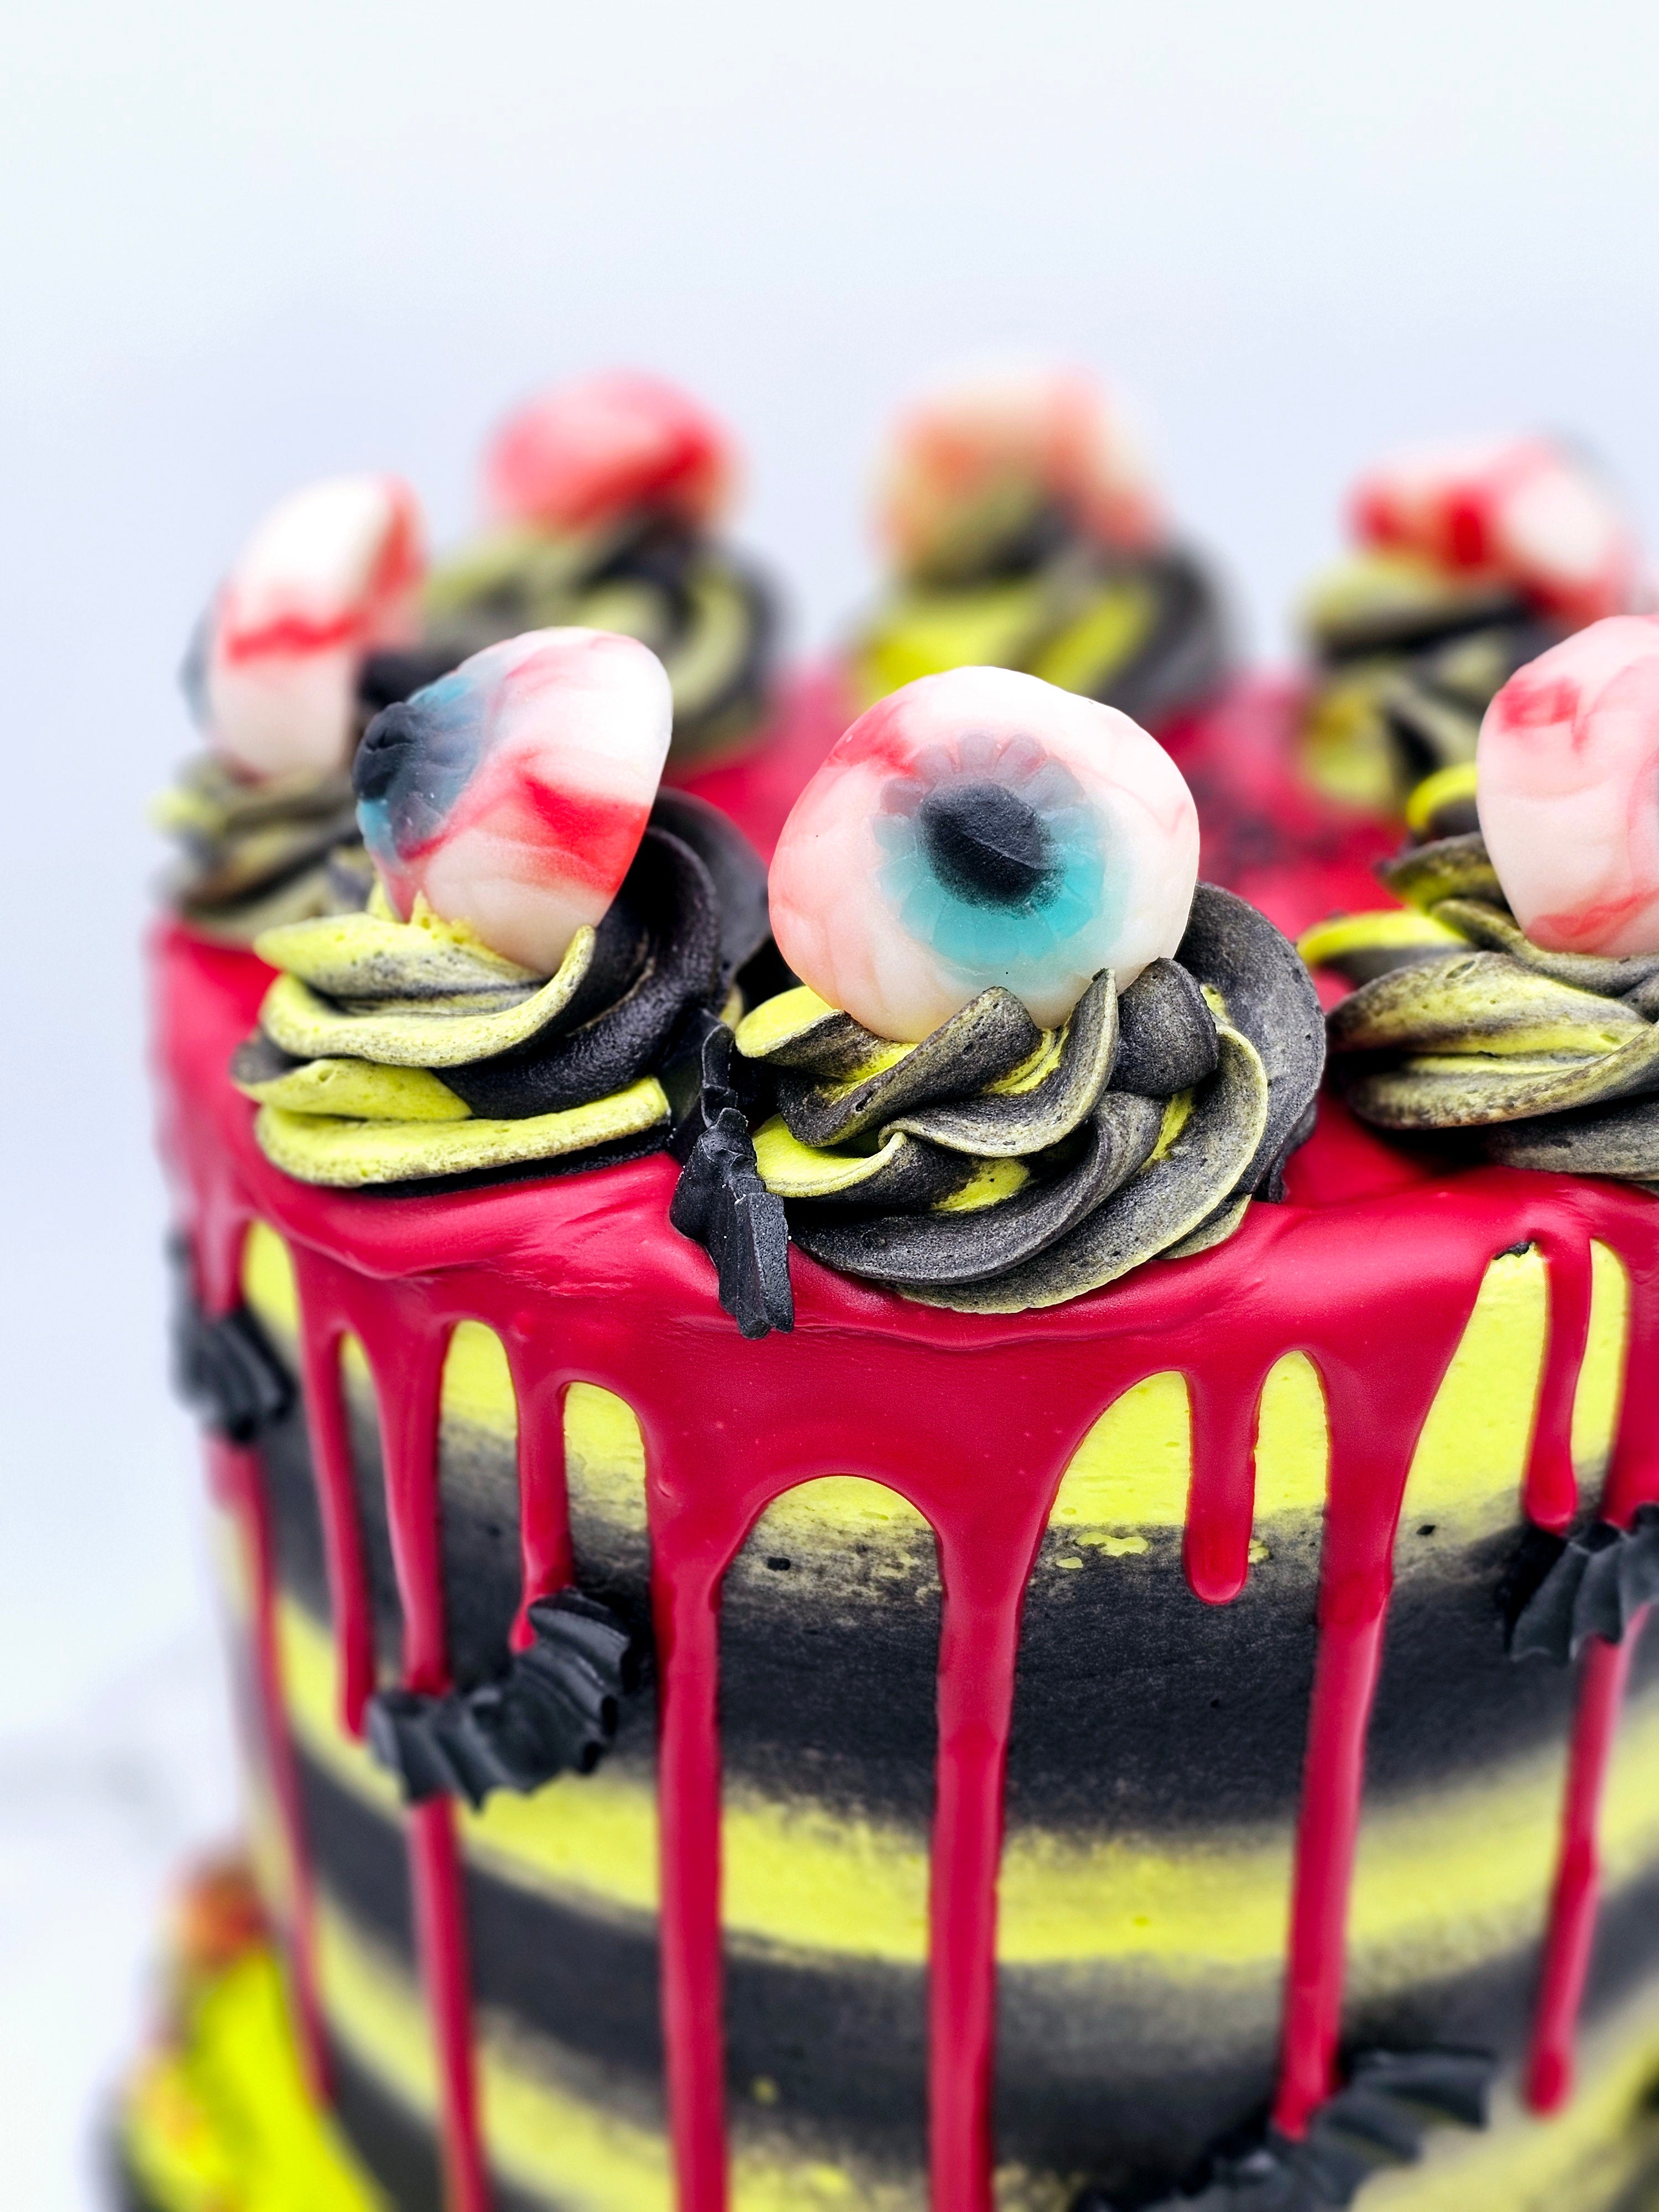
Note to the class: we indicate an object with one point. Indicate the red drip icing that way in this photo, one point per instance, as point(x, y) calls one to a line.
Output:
point(1372, 1268)
point(1603, 1671)
point(440, 1937)
point(544, 1554)
point(1552, 1490)
point(234, 1474)
point(343, 1539)
point(1221, 1496)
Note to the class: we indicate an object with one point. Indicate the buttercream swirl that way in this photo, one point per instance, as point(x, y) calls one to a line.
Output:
point(1407, 659)
point(255, 855)
point(709, 618)
point(1460, 1024)
point(995, 1167)
point(392, 1053)
point(1143, 631)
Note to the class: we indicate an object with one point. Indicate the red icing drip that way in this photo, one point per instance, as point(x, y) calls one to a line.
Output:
point(1552, 1488)
point(342, 1540)
point(234, 1474)
point(1603, 1671)
point(545, 1561)
point(434, 1868)
point(1372, 1269)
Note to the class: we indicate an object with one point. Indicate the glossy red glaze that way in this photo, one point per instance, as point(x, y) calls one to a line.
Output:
point(1372, 1268)
point(759, 785)
point(1268, 834)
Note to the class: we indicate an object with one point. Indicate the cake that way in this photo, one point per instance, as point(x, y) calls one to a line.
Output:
point(1137, 1703)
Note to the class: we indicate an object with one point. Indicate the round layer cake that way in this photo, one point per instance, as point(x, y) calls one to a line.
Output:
point(1081, 1750)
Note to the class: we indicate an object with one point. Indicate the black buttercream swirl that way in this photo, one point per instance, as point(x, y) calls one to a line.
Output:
point(1562, 1591)
point(255, 855)
point(1405, 663)
point(706, 614)
point(1146, 633)
point(1535, 1059)
point(553, 1711)
point(393, 1055)
point(1377, 2119)
point(991, 1168)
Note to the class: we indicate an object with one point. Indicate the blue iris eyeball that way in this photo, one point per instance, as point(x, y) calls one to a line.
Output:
point(979, 828)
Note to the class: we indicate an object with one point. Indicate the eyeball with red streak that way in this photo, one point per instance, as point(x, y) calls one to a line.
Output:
point(331, 574)
point(1568, 783)
point(588, 452)
point(512, 794)
point(1006, 445)
point(1521, 509)
point(979, 828)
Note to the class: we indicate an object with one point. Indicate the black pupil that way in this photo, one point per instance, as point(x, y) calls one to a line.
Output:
point(387, 743)
point(987, 844)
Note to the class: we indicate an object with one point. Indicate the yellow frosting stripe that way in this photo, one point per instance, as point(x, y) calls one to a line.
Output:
point(539, 2130)
point(220, 2121)
point(1442, 1879)
point(195, 2111)
point(1132, 1470)
point(1587, 2156)
point(1595, 1403)
point(343, 1155)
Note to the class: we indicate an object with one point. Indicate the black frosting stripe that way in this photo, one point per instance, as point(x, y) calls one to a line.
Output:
point(1449, 1699)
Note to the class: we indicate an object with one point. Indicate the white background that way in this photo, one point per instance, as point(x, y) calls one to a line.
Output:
point(241, 246)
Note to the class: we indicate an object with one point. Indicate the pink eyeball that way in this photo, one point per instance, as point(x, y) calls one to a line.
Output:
point(1567, 773)
point(330, 575)
point(1519, 510)
point(1025, 428)
point(588, 452)
point(513, 792)
point(979, 828)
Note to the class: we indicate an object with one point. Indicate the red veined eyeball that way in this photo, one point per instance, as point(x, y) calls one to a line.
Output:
point(979, 828)
point(1521, 509)
point(589, 452)
point(1030, 430)
point(513, 792)
point(331, 574)
point(1568, 789)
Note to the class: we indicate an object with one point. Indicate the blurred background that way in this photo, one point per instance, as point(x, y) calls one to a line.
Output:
point(241, 247)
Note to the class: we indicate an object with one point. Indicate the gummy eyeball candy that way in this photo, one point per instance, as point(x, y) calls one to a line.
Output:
point(330, 575)
point(982, 827)
point(589, 452)
point(513, 793)
point(1568, 769)
point(1520, 508)
point(1022, 437)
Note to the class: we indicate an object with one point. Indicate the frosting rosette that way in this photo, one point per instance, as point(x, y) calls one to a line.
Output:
point(1516, 997)
point(604, 499)
point(1028, 1053)
point(1470, 560)
point(1025, 531)
point(324, 590)
point(546, 935)
point(1465, 1029)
